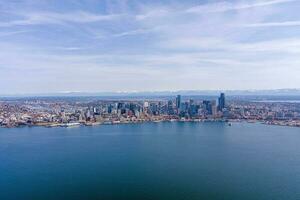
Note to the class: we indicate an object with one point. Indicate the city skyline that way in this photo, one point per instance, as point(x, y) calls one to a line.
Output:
point(70, 112)
point(102, 46)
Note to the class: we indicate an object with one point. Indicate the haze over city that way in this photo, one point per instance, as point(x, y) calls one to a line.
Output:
point(149, 45)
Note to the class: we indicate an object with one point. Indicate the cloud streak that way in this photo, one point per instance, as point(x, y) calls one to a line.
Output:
point(132, 45)
point(273, 24)
point(57, 18)
point(11, 33)
point(227, 6)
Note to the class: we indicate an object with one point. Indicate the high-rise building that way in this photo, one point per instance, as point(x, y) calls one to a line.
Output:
point(221, 103)
point(178, 101)
point(207, 107)
point(170, 108)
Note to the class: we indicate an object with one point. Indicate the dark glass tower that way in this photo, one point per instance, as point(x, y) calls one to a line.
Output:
point(221, 102)
point(178, 101)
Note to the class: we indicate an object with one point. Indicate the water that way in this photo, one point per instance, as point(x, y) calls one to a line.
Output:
point(151, 161)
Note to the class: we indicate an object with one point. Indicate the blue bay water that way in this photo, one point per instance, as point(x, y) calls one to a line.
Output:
point(151, 161)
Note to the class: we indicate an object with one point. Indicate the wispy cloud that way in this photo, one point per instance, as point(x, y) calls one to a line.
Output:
point(11, 33)
point(70, 48)
point(130, 46)
point(273, 24)
point(154, 13)
point(217, 46)
point(139, 31)
point(227, 6)
point(133, 32)
point(56, 18)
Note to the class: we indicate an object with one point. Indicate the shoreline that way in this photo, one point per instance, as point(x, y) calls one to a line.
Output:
point(228, 121)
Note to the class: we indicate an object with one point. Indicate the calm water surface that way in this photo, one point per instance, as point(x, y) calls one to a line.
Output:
point(151, 161)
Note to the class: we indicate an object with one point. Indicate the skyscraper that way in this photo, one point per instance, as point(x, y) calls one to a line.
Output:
point(178, 101)
point(208, 107)
point(221, 102)
point(170, 107)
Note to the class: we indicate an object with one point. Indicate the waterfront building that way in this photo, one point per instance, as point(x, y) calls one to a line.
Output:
point(52, 112)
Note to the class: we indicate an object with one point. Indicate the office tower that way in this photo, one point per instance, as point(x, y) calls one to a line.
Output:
point(221, 102)
point(120, 105)
point(146, 104)
point(207, 107)
point(178, 101)
point(109, 108)
point(170, 108)
point(214, 109)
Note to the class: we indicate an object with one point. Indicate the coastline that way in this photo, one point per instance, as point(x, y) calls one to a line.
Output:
point(117, 122)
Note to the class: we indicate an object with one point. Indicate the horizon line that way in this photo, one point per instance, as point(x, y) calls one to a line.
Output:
point(115, 93)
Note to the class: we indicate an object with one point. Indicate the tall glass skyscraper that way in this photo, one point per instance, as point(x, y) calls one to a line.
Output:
point(178, 101)
point(221, 102)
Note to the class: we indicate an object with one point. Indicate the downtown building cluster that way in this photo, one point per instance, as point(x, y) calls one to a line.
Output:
point(72, 112)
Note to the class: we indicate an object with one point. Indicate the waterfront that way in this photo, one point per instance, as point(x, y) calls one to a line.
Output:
point(66, 112)
point(168, 160)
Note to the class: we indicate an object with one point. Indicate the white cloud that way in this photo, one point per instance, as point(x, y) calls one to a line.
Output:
point(227, 6)
point(218, 45)
point(56, 18)
point(154, 13)
point(70, 48)
point(3, 34)
point(191, 51)
point(273, 24)
point(133, 32)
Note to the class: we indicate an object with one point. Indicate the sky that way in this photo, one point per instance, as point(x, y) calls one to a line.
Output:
point(51, 46)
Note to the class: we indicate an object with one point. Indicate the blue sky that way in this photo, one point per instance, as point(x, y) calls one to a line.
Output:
point(148, 45)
